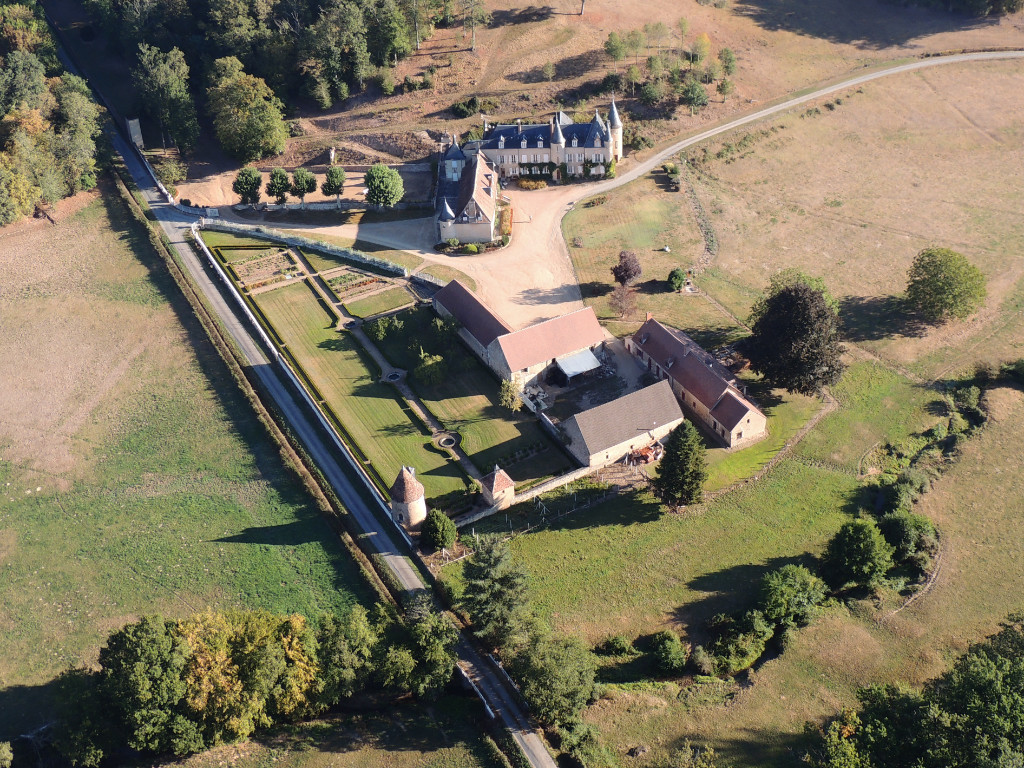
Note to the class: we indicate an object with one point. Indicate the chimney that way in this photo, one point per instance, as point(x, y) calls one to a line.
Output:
point(650, 316)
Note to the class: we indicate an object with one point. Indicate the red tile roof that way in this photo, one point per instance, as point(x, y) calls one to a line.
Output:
point(406, 488)
point(731, 410)
point(476, 317)
point(551, 339)
point(497, 481)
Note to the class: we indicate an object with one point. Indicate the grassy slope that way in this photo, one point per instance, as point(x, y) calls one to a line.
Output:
point(174, 498)
point(367, 408)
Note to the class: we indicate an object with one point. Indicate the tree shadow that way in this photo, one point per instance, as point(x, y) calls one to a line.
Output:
point(630, 508)
point(287, 534)
point(750, 747)
point(871, 318)
point(595, 289)
point(25, 708)
point(869, 25)
point(546, 295)
point(521, 15)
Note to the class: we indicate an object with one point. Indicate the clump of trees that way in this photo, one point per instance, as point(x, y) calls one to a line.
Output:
point(180, 686)
point(943, 285)
point(48, 121)
point(969, 716)
point(247, 116)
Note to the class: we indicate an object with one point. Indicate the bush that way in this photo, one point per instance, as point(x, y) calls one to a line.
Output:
point(617, 645)
point(532, 184)
point(741, 643)
point(677, 279)
point(471, 248)
point(966, 398)
point(453, 242)
point(790, 596)
point(669, 652)
point(612, 83)
point(386, 82)
point(471, 106)
point(909, 534)
point(702, 661)
point(858, 555)
point(439, 531)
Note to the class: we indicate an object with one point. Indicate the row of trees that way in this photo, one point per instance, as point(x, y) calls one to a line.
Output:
point(48, 121)
point(178, 687)
point(384, 185)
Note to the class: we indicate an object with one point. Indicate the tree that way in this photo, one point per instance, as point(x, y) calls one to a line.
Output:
point(247, 116)
point(247, 185)
point(623, 300)
point(634, 77)
point(790, 596)
point(17, 193)
point(683, 26)
point(557, 677)
point(634, 41)
point(857, 554)
point(652, 92)
point(387, 32)
point(474, 13)
point(942, 284)
point(22, 81)
point(548, 71)
point(786, 278)
point(161, 79)
point(347, 649)
point(6, 755)
point(701, 48)
point(728, 60)
point(278, 185)
point(495, 592)
point(434, 639)
point(669, 652)
point(694, 95)
point(683, 469)
point(677, 279)
point(795, 342)
point(334, 183)
point(384, 186)
point(628, 270)
point(615, 47)
point(509, 396)
point(303, 182)
point(726, 88)
point(439, 531)
point(432, 369)
point(396, 669)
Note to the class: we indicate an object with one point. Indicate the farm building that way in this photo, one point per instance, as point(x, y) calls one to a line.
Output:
point(479, 324)
point(564, 344)
point(706, 388)
point(603, 435)
point(468, 196)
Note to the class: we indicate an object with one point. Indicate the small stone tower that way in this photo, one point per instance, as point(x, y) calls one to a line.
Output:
point(615, 127)
point(498, 488)
point(408, 502)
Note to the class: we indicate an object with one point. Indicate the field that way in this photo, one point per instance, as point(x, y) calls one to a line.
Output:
point(344, 375)
point(385, 301)
point(448, 735)
point(467, 402)
point(135, 478)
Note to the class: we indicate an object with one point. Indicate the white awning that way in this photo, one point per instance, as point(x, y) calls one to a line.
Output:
point(577, 363)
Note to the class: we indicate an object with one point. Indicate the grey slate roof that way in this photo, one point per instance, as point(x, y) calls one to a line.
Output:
point(586, 134)
point(454, 152)
point(613, 116)
point(622, 420)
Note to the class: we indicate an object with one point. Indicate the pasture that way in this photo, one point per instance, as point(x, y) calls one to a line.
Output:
point(135, 478)
point(371, 412)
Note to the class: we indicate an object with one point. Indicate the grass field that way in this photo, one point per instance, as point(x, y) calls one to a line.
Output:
point(467, 402)
point(136, 479)
point(367, 408)
point(385, 301)
point(322, 261)
point(446, 734)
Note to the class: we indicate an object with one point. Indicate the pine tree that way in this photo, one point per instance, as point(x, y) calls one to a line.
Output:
point(495, 594)
point(683, 469)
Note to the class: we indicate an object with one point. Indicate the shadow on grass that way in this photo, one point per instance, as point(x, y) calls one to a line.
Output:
point(871, 318)
point(25, 708)
point(287, 534)
point(521, 15)
point(631, 508)
point(595, 289)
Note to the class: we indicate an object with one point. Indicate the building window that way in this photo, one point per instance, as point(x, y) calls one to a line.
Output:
point(547, 158)
point(522, 144)
point(575, 141)
point(739, 435)
point(597, 143)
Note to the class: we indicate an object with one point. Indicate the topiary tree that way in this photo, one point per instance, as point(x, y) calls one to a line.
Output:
point(278, 185)
point(677, 279)
point(858, 555)
point(303, 182)
point(247, 185)
point(628, 270)
point(683, 469)
point(790, 596)
point(942, 284)
point(795, 340)
point(384, 186)
point(334, 183)
point(438, 531)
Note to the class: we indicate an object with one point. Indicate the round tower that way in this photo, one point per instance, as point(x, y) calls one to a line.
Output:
point(615, 126)
point(408, 501)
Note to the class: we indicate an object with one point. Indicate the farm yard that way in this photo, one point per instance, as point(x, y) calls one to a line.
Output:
point(135, 478)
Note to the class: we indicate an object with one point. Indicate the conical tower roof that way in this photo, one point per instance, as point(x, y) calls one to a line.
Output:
point(556, 134)
point(613, 116)
point(407, 488)
point(447, 214)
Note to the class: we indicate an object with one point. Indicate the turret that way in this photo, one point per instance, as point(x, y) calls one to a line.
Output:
point(408, 500)
point(615, 129)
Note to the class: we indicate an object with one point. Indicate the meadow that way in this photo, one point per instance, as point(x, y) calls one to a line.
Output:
point(136, 479)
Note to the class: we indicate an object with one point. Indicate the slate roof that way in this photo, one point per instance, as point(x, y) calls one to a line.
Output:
point(731, 410)
point(497, 481)
point(699, 380)
point(553, 338)
point(476, 184)
point(476, 317)
point(586, 134)
point(406, 488)
point(454, 152)
point(613, 115)
point(622, 420)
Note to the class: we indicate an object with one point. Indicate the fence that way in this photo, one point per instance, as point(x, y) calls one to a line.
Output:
point(348, 254)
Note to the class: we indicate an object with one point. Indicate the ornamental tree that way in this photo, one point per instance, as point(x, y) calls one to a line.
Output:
point(439, 531)
point(384, 186)
point(247, 185)
point(278, 185)
point(942, 284)
point(303, 182)
point(628, 270)
point(334, 183)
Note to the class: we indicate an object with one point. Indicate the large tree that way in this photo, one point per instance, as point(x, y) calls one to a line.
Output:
point(384, 186)
point(495, 593)
point(247, 116)
point(347, 649)
point(628, 270)
point(795, 341)
point(858, 554)
point(615, 47)
point(278, 185)
point(439, 531)
point(683, 469)
point(942, 284)
point(161, 80)
point(556, 675)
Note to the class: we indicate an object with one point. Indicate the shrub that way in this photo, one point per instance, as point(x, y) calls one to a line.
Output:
point(386, 82)
point(617, 645)
point(966, 398)
point(438, 530)
point(612, 83)
point(702, 661)
point(909, 534)
point(453, 242)
point(471, 248)
point(677, 279)
point(669, 652)
point(742, 641)
point(918, 480)
point(471, 106)
point(532, 184)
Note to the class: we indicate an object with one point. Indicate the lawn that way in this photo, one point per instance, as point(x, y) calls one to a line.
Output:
point(467, 403)
point(377, 304)
point(448, 734)
point(371, 412)
point(322, 261)
point(137, 479)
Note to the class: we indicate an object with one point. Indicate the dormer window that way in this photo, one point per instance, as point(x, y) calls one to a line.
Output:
point(597, 143)
point(501, 142)
point(540, 142)
point(575, 141)
point(522, 144)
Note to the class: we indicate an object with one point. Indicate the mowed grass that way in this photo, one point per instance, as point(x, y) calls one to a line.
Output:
point(977, 505)
point(323, 261)
point(385, 301)
point(135, 477)
point(875, 405)
point(467, 403)
point(371, 412)
point(450, 734)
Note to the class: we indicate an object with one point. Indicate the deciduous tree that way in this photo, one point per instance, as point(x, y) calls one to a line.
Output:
point(623, 300)
point(303, 182)
point(615, 47)
point(728, 60)
point(942, 284)
point(247, 185)
point(384, 186)
point(334, 183)
point(790, 596)
point(161, 80)
point(247, 116)
point(857, 554)
point(683, 469)
point(509, 396)
point(278, 185)
point(556, 676)
point(628, 270)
